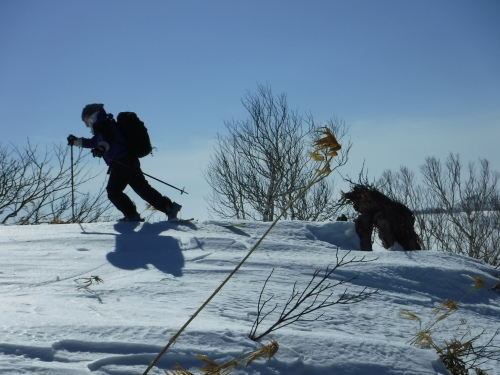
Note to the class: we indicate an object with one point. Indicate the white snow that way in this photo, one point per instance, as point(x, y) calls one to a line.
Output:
point(155, 276)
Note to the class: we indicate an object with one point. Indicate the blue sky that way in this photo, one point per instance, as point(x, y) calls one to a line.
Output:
point(410, 78)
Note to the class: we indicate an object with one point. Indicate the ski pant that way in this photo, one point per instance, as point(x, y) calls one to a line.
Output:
point(127, 171)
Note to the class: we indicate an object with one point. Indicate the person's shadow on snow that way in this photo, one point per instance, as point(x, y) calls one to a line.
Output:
point(145, 248)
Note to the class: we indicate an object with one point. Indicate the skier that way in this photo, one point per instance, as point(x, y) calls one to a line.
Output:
point(108, 142)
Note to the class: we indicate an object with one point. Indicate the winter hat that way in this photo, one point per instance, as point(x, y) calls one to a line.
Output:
point(91, 108)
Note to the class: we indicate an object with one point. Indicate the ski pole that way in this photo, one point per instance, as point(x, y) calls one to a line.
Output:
point(72, 189)
point(145, 174)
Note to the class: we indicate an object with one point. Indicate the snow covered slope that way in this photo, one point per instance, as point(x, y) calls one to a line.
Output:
point(155, 275)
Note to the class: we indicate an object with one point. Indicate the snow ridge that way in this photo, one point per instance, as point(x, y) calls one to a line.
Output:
point(156, 274)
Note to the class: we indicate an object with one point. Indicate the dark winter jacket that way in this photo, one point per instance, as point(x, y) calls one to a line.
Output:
point(105, 129)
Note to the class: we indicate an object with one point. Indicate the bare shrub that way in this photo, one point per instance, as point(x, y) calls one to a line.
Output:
point(36, 187)
point(264, 161)
point(456, 207)
point(318, 294)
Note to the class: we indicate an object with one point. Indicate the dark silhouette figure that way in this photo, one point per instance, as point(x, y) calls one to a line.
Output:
point(394, 221)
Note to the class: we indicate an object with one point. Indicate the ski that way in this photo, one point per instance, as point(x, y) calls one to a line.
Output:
point(233, 225)
point(141, 220)
point(182, 221)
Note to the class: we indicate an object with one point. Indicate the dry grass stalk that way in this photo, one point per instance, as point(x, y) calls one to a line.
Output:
point(88, 281)
point(479, 283)
point(328, 145)
point(408, 315)
point(324, 149)
point(212, 368)
point(449, 304)
point(424, 338)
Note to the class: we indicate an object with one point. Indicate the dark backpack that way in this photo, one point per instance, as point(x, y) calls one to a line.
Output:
point(135, 133)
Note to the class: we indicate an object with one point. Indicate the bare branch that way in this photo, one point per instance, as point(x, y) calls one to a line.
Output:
point(304, 305)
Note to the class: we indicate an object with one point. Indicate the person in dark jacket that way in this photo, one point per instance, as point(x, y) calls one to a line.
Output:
point(109, 143)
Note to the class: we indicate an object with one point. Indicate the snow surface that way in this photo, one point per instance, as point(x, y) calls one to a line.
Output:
point(155, 275)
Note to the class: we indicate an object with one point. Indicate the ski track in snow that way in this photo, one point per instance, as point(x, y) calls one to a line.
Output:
point(155, 275)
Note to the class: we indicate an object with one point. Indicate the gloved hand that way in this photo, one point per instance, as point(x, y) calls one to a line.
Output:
point(74, 141)
point(98, 152)
point(71, 140)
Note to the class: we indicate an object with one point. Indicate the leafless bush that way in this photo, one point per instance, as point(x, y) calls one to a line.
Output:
point(264, 161)
point(456, 207)
point(36, 187)
point(304, 306)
